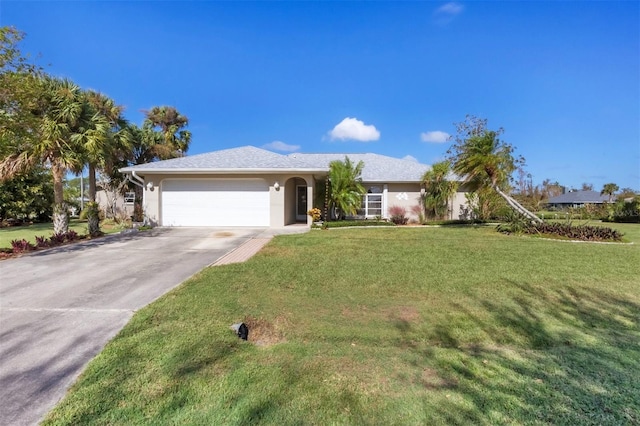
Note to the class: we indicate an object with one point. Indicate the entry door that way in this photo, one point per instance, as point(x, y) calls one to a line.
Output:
point(301, 203)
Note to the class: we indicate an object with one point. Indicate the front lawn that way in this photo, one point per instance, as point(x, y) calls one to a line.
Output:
point(452, 325)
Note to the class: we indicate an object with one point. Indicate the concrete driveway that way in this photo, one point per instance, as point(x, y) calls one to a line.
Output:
point(58, 308)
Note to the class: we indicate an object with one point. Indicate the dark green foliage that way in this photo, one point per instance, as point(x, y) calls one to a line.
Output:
point(454, 222)
point(347, 223)
point(27, 196)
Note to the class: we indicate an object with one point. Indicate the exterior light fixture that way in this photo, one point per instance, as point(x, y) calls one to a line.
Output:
point(150, 186)
point(276, 186)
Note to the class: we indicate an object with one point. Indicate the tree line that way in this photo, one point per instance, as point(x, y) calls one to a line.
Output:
point(50, 125)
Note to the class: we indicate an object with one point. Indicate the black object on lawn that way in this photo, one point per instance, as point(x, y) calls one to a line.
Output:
point(243, 331)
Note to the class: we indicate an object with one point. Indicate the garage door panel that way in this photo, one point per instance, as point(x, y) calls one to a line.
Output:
point(215, 202)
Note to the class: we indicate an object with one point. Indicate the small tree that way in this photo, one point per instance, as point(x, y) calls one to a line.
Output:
point(439, 190)
point(483, 160)
point(346, 188)
point(609, 189)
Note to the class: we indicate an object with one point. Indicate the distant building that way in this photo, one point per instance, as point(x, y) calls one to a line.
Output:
point(577, 199)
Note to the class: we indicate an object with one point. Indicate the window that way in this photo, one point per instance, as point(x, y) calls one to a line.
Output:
point(129, 197)
point(371, 203)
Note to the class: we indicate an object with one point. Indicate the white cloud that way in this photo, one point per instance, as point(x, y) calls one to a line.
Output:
point(281, 146)
point(410, 158)
point(450, 9)
point(435, 137)
point(354, 129)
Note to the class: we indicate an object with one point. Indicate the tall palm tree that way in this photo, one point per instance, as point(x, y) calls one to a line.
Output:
point(101, 138)
point(62, 112)
point(105, 137)
point(346, 189)
point(171, 124)
point(483, 160)
point(438, 189)
point(609, 189)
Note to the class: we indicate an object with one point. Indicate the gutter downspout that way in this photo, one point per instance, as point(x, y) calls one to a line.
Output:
point(137, 180)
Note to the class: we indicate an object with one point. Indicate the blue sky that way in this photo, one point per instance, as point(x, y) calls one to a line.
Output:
point(562, 78)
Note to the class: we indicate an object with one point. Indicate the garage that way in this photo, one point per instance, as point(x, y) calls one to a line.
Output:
point(215, 202)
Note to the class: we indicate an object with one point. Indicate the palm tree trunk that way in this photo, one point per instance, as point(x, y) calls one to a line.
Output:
point(517, 206)
point(92, 182)
point(60, 215)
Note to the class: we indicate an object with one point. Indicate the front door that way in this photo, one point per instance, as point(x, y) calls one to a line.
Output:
point(301, 203)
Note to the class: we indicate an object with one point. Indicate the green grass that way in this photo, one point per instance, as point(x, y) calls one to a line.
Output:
point(452, 325)
point(30, 232)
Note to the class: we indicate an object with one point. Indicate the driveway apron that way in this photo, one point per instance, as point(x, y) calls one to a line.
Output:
point(59, 307)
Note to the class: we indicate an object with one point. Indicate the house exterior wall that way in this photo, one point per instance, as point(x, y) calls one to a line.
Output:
point(122, 209)
point(405, 195)
point(408, 195)
point(281, 200)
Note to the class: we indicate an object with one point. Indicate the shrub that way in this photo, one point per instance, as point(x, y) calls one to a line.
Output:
point(347, 223)
point(418, 211)
point(21, 246)
point(566, 231)
point(315, 214)
point(57, 239)
point(398, 215)
point(42, 242)
point(71, 235)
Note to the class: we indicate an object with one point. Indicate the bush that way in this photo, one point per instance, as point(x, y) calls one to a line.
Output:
point(348, 223)
point(21, 246)
point(57, 239)
point(315, 214)
point(398, 215)
point(42, 242)
point(562, 230)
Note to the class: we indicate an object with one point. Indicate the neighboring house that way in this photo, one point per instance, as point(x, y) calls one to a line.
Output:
point(115, 204)
point(250, 186)
point(576, 199)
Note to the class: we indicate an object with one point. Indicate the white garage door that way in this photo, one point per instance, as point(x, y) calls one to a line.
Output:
point(215, 202)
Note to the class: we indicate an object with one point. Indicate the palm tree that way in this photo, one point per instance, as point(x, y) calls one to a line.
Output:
point(105, 137)
point(609, 189)
point(171, 124)
point(483, 160)
point(62, 113)
point(346, 188)
point(438, 189)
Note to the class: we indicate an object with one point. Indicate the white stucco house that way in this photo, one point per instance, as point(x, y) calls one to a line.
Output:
point(253, 187)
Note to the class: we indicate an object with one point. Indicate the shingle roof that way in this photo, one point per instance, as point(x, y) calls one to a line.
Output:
point(579, 197)
point(246, 157)
point(377, 168)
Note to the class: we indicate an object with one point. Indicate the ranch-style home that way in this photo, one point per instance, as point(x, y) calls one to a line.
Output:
point(253, 187)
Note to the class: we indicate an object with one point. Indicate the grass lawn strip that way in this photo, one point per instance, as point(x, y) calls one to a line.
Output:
point(383, 326)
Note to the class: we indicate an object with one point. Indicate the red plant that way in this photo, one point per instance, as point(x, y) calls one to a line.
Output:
point(21, 246)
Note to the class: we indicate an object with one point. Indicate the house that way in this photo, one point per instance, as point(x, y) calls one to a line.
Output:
point(116, 204)
point(576, 199)
point(249, 186)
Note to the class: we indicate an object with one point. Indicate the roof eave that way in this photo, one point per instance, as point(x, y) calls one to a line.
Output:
point(192, 171)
